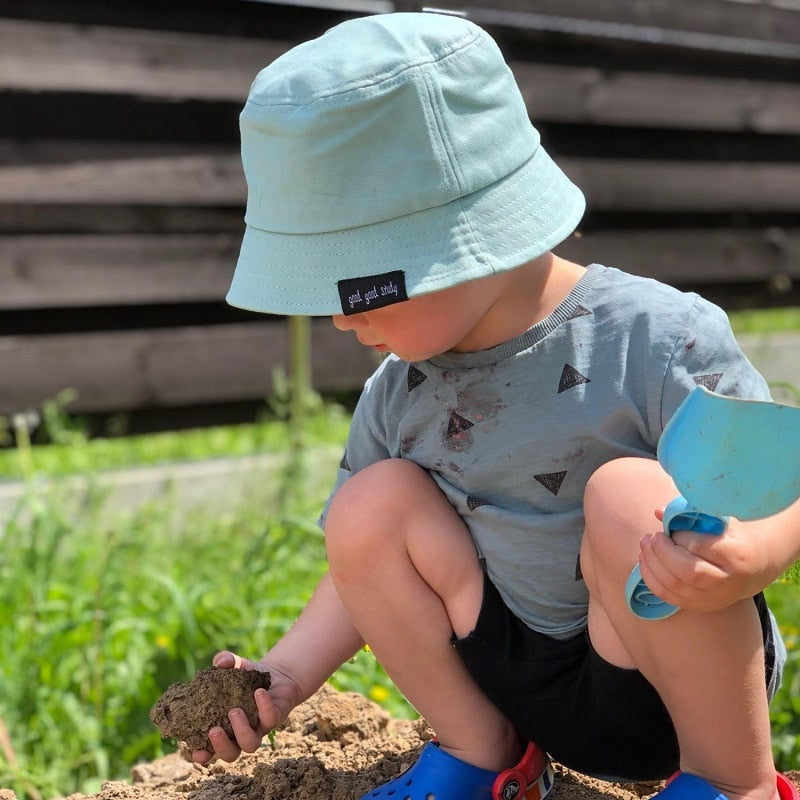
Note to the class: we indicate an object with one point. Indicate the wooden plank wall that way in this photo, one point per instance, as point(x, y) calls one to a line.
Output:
point(121, 192)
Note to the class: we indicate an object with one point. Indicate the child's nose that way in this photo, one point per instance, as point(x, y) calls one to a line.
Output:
point(346, 323)
point(339, 322)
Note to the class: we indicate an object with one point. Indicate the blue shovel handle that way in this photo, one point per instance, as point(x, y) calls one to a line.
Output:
point(679, 515)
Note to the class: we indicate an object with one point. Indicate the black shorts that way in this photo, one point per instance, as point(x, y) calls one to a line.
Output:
point(589, 715)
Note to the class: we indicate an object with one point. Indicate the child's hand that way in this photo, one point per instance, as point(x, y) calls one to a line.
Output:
point(273, 708)
point(706, 572)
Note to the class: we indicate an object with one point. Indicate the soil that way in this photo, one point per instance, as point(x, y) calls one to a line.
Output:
point(335, 746)
point(186, 711)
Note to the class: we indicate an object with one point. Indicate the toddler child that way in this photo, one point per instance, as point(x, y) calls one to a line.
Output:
point(499, 481)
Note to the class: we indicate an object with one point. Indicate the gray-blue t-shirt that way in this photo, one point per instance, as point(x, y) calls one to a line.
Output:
point(512, 434)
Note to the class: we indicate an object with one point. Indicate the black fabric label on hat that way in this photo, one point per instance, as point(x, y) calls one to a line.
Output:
point(372, 291)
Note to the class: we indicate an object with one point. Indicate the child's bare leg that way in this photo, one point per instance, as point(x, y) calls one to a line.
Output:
point(407, 572)
point(708, 668)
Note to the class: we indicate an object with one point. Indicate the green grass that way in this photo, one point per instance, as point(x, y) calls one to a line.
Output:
point(69, 450)
point(770, 320)
point(101, 610)
point(784, 599)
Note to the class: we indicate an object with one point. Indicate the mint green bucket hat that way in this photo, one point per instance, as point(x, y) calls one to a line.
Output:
point(391, 157)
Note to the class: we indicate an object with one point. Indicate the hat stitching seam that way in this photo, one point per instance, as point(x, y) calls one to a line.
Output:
point(377, 80)
point(474, 249)
point(437, 128)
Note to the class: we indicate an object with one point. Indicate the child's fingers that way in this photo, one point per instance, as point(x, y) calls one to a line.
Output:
point(224, 660)
point(247, 739)
point(228, 660)
point(224, 748)
point(268, 715)
point(202, 756)
point(675, 574)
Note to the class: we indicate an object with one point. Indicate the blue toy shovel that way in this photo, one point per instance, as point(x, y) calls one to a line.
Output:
point(727, 456)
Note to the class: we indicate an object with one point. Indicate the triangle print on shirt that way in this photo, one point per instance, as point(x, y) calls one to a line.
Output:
point(415, 377)
point(551, 481)
point(708, 381)
point(570, 378)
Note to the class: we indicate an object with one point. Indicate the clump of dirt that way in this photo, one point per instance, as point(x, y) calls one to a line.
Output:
point(335, 746)
point(186, 711)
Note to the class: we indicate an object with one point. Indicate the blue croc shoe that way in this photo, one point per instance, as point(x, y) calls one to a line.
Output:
point(689, 787)
point(437, 775)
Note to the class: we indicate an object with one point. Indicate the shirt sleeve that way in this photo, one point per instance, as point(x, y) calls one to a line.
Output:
point(707, 354)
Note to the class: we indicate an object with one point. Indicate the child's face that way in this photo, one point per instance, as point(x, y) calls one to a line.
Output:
point(426, 325)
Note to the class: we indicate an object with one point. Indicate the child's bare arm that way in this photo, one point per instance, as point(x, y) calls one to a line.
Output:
point(304, 658)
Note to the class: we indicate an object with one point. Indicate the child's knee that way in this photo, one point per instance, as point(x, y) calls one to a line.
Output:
point(624, 484)
point(371, 503)
point(619, 504)
point(609, 489)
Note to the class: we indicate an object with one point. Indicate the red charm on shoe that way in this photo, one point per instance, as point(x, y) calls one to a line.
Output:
point(786, 789)
point(530, 779)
